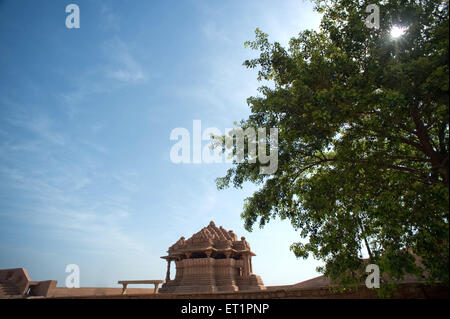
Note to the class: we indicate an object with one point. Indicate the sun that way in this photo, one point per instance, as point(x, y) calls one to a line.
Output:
point(397, 31)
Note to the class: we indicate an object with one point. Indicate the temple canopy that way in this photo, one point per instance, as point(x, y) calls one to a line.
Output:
point(212, 241)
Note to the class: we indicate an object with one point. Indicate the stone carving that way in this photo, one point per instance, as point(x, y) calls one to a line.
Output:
point(211, 260)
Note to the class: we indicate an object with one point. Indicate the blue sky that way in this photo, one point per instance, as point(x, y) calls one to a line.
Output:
point(85, 121)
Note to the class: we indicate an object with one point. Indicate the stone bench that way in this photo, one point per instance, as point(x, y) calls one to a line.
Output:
point(125, 283)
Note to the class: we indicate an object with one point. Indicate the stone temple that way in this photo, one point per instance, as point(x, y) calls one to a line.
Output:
point(211, 260)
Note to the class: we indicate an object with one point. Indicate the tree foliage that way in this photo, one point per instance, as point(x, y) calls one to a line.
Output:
point(363, 139)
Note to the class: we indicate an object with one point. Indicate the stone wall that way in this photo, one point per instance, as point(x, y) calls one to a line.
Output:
point(406, 291)
point(94, 291)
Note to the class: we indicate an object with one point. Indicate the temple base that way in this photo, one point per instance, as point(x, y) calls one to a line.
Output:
point(211, 275)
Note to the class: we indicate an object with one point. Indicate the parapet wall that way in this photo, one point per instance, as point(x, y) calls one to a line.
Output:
point(406, 291)
point(97, 292)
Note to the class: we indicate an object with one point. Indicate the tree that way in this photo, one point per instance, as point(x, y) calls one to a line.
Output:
point(363, 139)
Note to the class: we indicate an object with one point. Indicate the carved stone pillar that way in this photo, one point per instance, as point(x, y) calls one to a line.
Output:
point(247, 267)
point(168, 270)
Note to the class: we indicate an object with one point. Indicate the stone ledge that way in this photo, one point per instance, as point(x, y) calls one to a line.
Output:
point(406, 291)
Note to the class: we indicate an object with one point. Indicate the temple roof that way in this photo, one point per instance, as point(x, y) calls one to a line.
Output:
point(210, 238)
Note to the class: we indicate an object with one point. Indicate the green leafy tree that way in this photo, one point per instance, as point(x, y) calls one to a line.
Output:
point(363, 140)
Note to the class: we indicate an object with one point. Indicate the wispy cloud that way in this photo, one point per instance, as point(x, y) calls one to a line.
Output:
point(67, 212)
point(223, 89)
point(41, 126)
point(120, 68)
point(213, 32)
point(52, 180)
point(124, 66)
point(87, 83)
point(110, 20)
